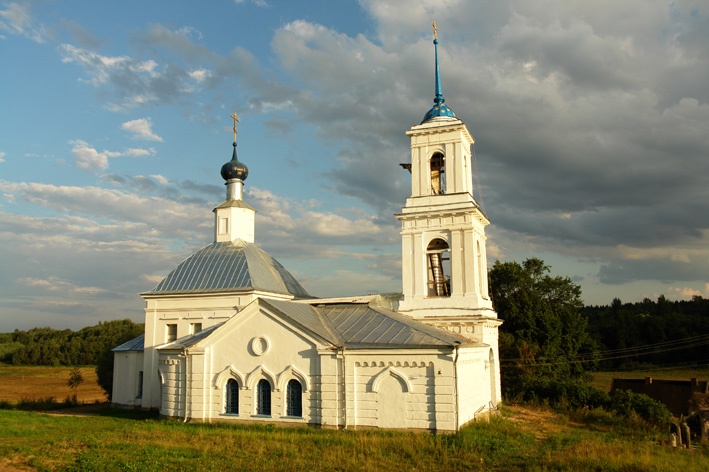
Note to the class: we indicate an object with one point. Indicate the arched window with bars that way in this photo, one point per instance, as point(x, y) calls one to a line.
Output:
point(294, 400)
point(231, 403)
point(263, 398)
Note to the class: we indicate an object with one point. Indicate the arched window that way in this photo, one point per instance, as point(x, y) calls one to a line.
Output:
point(231, 405)
point(438, 255)
point(294, 398)
point(263, 398)
point(438, 176)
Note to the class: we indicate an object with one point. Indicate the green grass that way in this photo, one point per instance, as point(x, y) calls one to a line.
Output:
point(522, 439)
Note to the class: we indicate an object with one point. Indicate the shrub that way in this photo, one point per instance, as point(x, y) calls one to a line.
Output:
point(563, 394)
point(627, 403)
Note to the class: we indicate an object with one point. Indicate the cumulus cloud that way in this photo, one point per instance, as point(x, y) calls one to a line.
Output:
point(88, 158)
point(584, 143)
point(2, 156)
point(581, 144)
point(57, 285)
point(141, 129)
point(590, 126)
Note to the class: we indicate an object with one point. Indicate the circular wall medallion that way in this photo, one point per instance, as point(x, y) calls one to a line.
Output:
point(259, 346)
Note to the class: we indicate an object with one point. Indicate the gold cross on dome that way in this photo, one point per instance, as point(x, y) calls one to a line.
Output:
point(236, 120)
point(435, 31)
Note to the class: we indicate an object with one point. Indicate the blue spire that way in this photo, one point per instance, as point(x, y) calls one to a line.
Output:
point(439, 109)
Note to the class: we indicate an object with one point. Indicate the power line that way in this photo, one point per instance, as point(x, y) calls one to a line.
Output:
point(648, 349)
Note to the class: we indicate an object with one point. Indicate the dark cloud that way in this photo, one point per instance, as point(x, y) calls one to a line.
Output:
point(665, 269)
point(584, 142)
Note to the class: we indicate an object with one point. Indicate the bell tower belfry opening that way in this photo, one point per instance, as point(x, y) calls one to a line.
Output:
point(444, 262)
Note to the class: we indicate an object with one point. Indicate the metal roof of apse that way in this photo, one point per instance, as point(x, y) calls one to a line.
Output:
point(365, 326)
point(229, 266)
point(135, 344)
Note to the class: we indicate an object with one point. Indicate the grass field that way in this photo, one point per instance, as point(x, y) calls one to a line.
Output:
point(603, 380)
point(98, 438)
point(39, 382)
point(523, 438)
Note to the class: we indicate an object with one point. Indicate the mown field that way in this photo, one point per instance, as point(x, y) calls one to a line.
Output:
point(39, 382)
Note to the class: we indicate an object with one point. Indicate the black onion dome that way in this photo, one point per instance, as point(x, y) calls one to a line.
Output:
point(234, 169)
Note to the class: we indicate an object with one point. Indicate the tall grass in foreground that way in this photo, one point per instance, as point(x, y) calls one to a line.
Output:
point(121, 441)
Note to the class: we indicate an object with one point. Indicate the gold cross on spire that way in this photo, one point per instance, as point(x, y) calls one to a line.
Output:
point(435, 31)
point(236, 120)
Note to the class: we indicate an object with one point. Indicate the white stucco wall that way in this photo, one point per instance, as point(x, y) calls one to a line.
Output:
point(126, 376)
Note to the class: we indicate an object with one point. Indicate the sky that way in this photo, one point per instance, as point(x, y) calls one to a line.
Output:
point(591, 122)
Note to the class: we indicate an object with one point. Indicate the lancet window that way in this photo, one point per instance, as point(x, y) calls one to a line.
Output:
point(294, 398)
point(263, 398)
point(231, 404)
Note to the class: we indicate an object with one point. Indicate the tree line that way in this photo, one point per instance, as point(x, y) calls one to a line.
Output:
point(659, 333)
point(47, 346)
point(549, 340)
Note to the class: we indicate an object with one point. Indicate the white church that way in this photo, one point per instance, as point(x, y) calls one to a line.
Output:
point(230, 335)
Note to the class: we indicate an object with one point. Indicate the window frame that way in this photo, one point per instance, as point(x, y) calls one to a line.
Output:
point(294, 399)
point(231, 390)
point(264, 405)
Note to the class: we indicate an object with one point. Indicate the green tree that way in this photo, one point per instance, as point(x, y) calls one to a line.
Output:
point(76, 378)
point(122, 331)
point(544, 335)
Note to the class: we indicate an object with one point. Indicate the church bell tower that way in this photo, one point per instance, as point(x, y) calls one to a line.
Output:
point(444, 263)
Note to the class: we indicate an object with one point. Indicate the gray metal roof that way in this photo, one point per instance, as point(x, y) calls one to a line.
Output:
point(351, 325)
point(367, 326)
point(230, 266)
point(135, 344)
point(360, 325)
point(308, 317)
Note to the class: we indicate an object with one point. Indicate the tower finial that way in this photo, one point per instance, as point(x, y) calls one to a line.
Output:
point(236, 120)
point(234, 169)
point(439, 109)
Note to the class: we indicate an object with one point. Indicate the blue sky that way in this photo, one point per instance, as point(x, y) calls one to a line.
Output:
point(590, 120)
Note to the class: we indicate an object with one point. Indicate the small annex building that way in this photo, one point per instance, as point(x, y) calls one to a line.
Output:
point(230, 334)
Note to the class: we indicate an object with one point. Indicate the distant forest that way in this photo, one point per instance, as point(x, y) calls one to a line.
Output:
point(47, 346)
point(627, 336)
point(657, 333)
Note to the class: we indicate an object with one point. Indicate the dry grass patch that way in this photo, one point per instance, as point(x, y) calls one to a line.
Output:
point(542, 423)
point(39, 382)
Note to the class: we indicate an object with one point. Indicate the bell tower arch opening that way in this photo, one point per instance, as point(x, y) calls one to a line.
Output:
point(438, 175)
point(438, 260)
